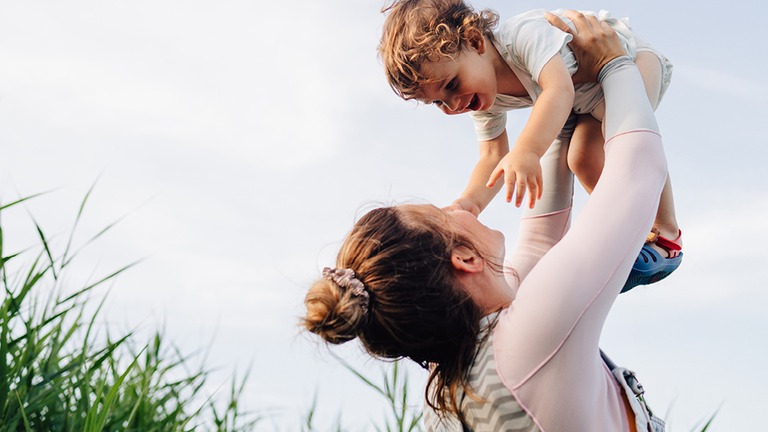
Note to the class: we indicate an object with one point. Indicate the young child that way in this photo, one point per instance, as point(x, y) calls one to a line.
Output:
point(444, 53)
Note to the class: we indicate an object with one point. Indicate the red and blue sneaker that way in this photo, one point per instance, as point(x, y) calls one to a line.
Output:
point(650, 266)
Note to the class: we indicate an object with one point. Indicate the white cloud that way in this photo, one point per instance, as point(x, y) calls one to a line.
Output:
point(252, 88)
point(724, 83)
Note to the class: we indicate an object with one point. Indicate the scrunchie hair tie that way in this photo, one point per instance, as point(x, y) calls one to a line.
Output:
point(346, 279)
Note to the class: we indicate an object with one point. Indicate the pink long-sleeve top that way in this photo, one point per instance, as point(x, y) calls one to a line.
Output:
point(540, 368)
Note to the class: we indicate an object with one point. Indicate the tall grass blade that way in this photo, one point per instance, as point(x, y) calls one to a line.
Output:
point(708, 423)
point(99, 282)
point(47, 249)
point(21, 200)
point(77, 220)
point(27, 428)
point(359, 375)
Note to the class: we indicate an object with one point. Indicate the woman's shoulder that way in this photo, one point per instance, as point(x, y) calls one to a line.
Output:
point(496, 404)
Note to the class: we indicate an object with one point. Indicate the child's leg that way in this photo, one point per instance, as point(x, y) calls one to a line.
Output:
point(666, 221)
point(661, 255)
point(586, 156)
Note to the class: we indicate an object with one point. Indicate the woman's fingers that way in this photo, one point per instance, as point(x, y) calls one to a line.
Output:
point(555, 21)
point(583, 23)
point(594, 43)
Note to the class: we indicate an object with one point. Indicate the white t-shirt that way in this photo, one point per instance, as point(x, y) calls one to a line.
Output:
point(527, 42)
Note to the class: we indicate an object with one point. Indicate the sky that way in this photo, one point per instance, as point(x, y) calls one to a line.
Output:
point(237, 141)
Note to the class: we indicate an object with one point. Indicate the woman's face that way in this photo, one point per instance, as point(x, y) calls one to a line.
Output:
point(490, 242)
point(489, 289)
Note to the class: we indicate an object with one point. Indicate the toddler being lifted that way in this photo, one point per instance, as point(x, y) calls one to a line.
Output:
point(442, 52)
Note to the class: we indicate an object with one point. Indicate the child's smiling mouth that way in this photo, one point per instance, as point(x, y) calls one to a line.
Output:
point(474, 104)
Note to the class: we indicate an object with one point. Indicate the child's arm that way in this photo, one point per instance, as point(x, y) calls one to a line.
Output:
point(521, 167)
point(477, 195)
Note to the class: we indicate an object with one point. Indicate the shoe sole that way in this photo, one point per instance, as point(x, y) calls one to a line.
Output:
point(634, 281)
point(641, 274)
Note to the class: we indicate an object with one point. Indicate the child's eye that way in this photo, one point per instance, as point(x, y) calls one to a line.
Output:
point(451, 84)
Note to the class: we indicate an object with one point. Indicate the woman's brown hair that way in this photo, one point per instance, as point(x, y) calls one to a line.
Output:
point(420, 31)
point(416, 310)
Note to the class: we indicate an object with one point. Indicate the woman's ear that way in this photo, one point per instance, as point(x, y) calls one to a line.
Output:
point(476, 40)
point(466, 260)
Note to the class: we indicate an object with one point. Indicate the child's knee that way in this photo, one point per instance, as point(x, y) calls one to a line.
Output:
point(585, 164)
point(650, 69)
point(586, 155)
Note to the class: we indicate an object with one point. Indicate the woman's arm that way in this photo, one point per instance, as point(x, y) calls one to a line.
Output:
point(547, 343)
point(544, 225)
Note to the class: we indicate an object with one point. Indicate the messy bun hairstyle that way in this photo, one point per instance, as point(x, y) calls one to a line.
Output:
point(334, 312)
point(420, 31)
point(415, 308)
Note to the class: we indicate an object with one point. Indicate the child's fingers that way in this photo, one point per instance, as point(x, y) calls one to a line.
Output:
point(495, 175)
point(519, 196)
point(539, 186)
point(530, 186)
point(509, 180)
point(521, 188)
point(534, 193)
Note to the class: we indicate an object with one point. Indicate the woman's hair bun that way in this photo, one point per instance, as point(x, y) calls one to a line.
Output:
point(333, 313)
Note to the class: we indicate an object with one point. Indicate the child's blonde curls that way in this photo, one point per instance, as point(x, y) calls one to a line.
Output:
point(420, 31)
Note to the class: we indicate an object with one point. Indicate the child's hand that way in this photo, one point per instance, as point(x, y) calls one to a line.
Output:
point(465, 204)
point(521, 170)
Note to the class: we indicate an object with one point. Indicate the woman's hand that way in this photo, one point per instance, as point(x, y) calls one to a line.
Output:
point(594, 43)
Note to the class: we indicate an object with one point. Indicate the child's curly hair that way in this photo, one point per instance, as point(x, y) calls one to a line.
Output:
point(420, 31)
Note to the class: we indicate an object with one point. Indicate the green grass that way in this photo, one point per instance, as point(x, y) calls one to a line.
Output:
point(401, 412)
point(61, 369)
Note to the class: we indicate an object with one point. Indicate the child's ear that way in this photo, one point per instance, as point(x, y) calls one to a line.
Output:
point(466, 260)
point(476, 40)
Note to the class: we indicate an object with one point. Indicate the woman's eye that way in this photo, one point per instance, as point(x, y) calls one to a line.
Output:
point(437, 103)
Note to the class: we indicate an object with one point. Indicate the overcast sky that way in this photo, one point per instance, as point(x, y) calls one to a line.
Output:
point(241, 139)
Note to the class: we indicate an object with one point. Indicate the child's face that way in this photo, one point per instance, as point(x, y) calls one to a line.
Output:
point(466, 83)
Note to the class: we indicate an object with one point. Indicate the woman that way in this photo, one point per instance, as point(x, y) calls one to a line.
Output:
point(510, 345)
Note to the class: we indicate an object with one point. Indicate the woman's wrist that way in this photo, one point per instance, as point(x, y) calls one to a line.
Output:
point(616, 63)
point(594, 43)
